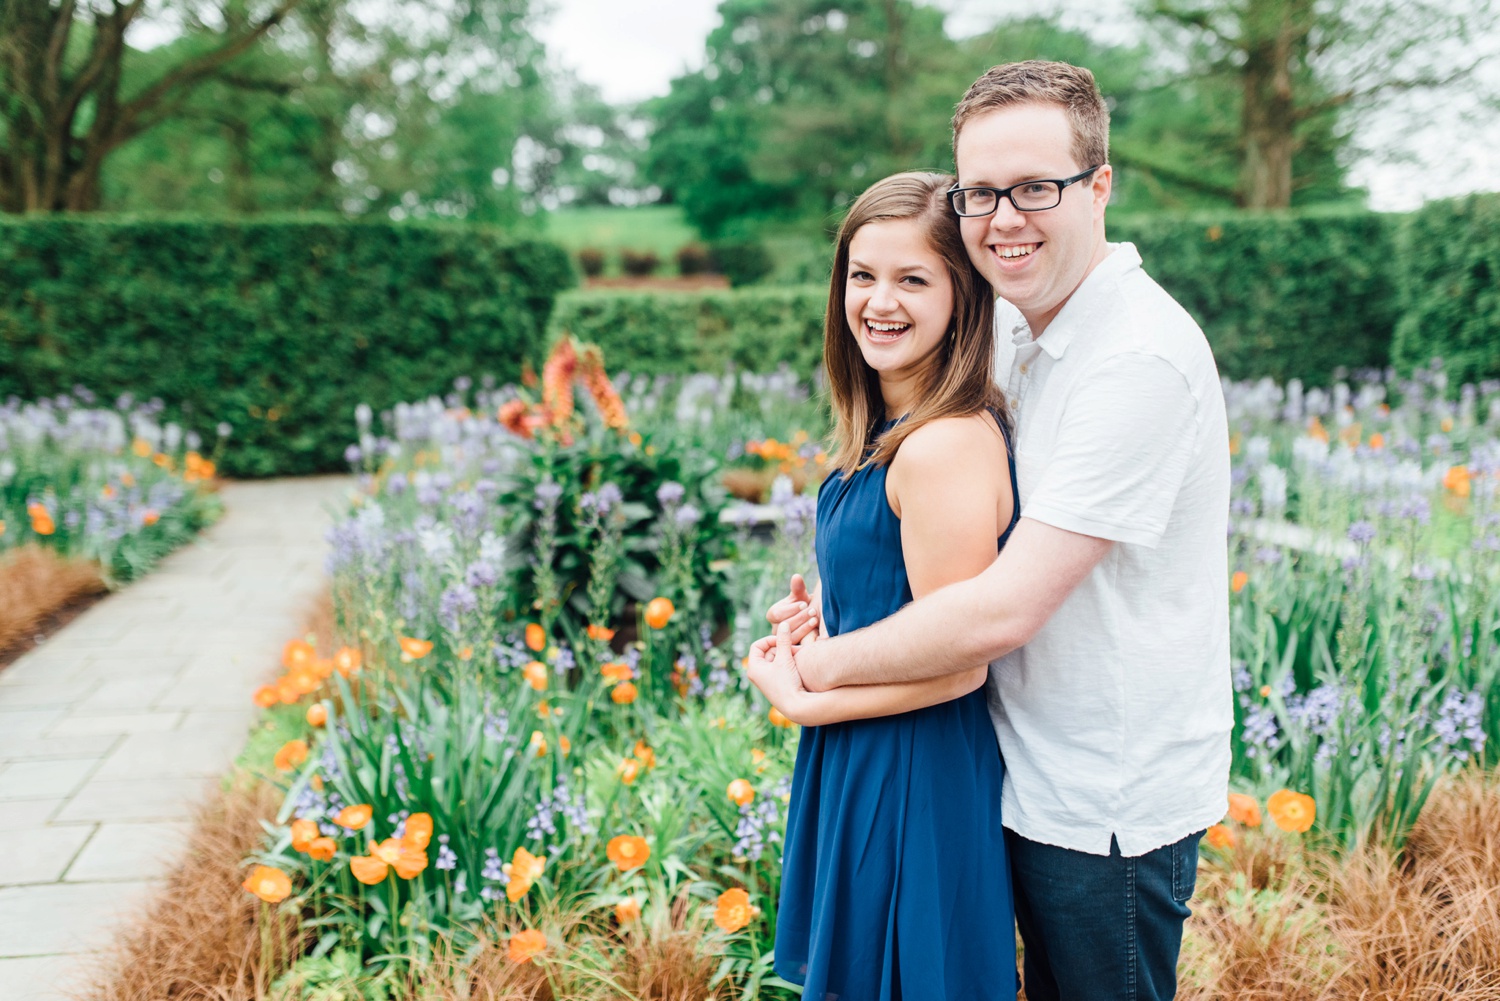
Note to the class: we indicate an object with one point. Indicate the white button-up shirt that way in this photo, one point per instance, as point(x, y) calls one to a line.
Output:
point(1115, 719)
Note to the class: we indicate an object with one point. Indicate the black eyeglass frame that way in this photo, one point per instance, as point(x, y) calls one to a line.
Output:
point(1062, 184)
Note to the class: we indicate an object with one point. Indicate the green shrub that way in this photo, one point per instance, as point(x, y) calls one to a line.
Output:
point(1289, 295)
point(693, 259)
point(1450, 288)
point(639, 262)
point(591, 261)
point(743, 262)
point(657, 332)
point(277, 328)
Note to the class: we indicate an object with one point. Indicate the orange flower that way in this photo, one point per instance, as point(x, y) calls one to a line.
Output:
point(1446, 424)
point(292, 754)
point(644, 754)
point(1292, 811)
point(269, 884)
point(523, 869)
point(777, 719)
point(1244, 809)
point(414, 649)
point(623, 694)
point(659, 612)
point(354, 818)
point(392, 853)
point(296, 653)
point(1238, 581)
point(317, 714)
point(321, 668)
point(538, 744)
point(418, 831)
point(734, 910)
point(628, 910)
point(596, 381)
point(1315, 429)
point(150, 517)
point(564, 744)
point(41, 519)
point(1377, 441)
point(512, 417)
point(535, 673)
point(628, 851)
point(321, 849)
point(758, 759)
point(303, 680)
point(628, 770)
point(1456, 481)
point(1222, 837)
point(467, 653)
point(525, 945)
point(536, 637)
point(742, 792)
point(557, 382)
point(266, 696)
point(616, 671)
point(303, 832)
point(368, 869)
point(141, 447)
point(600, 633)
point(346, 661)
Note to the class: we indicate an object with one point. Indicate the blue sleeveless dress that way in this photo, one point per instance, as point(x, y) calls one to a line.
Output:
point(895, 884)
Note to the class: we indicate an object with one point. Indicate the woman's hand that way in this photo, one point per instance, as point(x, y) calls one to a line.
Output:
point(797, 610)
point(772, 668)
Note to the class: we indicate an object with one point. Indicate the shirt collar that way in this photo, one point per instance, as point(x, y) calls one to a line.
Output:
point(1078, 313)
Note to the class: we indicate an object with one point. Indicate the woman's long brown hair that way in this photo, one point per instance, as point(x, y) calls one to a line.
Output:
point(959, 381)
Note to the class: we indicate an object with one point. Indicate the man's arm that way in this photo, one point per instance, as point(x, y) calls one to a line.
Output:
point(967, 623)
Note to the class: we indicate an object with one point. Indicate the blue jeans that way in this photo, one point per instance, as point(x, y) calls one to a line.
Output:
point(1101, 928)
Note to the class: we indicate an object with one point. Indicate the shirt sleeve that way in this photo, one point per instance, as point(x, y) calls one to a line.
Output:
point(1129, 432)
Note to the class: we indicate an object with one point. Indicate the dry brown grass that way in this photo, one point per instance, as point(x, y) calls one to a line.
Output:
point(37, 583)
point(204, 938)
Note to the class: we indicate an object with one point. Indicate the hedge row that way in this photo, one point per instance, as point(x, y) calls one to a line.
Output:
point(277, 328)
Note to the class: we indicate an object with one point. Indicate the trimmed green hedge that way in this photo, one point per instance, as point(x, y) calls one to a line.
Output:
point(1450, 288)
point(677, 332)
point(1293, 295)
point(278, 328)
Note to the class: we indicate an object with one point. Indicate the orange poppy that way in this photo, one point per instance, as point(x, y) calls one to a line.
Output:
point(269, 884)
point(1377, 441)
point(354, 818)
point(628, 851)
point(150, 517)
point(296, 653)
point(321, 849)
point(1244, 809)
point(645, 754)
point(266, 696)
point(1238, 581)
point(1292, 811)
point(413, 648)
point(1456, 481)
point(525, 945)
point(535, 673)
point(523, 869)
point(628, 770)
point(392, 853)
point(303, 832)
point(616, 671)
point(41, 520)
point(564, 744)
point(623, 694)
point(321, 668)
point(317, 714)
point(1221, 837)
point(659, 613)
point(734, 910)
point(303, 680)
point(600, 633)
point(538, 744)
point(141, 447)
point(758, 759)
point(536, 637)
point(287, 689)
point(742, 792)
point(292, 754)
point(467, 653)
point(628, 910)
point(418, 832)
point(346, 661)
point(368, 869)
point(777, 719)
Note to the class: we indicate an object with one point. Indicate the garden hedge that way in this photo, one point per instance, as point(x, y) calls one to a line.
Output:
point(277, 328)
point(1450, 288)
point(1290, 295)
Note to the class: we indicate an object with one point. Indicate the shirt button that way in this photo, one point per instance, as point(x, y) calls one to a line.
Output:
point(1024, 368)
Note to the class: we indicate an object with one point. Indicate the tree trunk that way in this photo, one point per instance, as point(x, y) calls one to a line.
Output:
point(1272, 43)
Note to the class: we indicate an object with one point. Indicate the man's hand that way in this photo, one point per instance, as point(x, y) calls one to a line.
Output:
point(796, 610)
point(772, 668)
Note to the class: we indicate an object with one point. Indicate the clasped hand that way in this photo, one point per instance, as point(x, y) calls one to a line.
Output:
point(772, 664)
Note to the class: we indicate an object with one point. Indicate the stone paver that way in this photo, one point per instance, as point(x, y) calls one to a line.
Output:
point(112, 731)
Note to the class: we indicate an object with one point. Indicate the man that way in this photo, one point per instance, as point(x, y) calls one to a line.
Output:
point(1105, 619)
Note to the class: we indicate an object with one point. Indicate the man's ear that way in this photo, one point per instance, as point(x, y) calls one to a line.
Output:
point(1101, 185)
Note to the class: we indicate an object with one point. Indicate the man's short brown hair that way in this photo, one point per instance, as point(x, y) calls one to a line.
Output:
point(1037, 81)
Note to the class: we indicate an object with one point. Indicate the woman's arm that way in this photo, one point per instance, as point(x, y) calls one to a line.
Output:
point(950, 486)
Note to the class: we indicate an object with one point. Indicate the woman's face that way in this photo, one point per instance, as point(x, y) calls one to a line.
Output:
point(898, 297)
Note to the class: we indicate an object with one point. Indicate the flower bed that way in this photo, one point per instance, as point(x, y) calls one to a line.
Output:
point(529, 764)
point(90, 497)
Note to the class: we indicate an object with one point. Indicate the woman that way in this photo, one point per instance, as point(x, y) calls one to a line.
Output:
point(895, 882)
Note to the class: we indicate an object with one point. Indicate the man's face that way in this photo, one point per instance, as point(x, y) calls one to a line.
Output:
point(1034, 260)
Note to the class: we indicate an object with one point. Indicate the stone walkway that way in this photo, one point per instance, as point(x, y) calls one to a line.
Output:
point(111, 730)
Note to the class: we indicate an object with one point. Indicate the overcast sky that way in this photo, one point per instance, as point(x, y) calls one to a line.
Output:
point(631, 49)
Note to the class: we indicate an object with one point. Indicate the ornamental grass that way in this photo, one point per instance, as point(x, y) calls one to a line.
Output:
point(38, 583)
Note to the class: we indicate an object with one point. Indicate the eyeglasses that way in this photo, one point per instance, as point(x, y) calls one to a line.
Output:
point(1028, 196)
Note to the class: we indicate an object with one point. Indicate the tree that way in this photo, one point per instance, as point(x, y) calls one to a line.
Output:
point(1301, 67)
point(63, 109)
